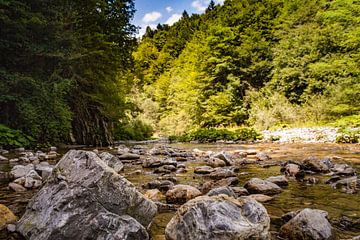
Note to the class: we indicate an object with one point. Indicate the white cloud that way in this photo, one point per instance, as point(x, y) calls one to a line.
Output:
point(169, 9)
point(201, 5)
point(173, 19)
point(151, 17)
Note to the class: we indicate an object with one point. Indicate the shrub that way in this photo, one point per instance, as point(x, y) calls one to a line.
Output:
point(348, 135)
point(10, 138)
point(134, 130)
point(214, 134)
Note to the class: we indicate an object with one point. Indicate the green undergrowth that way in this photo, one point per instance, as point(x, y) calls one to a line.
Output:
point(10, 138)
point(216, 134)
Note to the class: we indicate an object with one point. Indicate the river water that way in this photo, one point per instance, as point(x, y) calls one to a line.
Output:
point(296, 196)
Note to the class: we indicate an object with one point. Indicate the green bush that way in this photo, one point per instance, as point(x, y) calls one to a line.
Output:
point(10, 138)
point(134, 130)
point(214, 134)
point(348, 136)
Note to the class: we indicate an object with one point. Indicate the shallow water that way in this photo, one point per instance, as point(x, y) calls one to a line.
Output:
point(296, 196)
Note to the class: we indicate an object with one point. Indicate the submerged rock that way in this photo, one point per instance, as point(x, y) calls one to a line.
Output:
point(308, 224)
point(278, 180)
point(85, 199)
point(219, 217)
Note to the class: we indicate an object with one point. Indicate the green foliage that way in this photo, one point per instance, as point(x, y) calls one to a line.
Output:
point(264, 63)
point(214, 134)
point(348, 135)
point(134, 130)
point(63, 68)
point(10, 138)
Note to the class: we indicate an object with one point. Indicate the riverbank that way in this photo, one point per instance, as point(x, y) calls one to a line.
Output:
point(156, 169)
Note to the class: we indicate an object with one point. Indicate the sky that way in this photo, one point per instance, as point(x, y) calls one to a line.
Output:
point(152, 12)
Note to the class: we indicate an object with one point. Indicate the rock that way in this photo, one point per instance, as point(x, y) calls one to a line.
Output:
point(20, 149)
point(225, 157)
point(204, 170)
point(278, 180)
point(312, 180)
point(240, 191)
point(112, 161)
point(11, 228)
point(316, 165)
point(19, 171)
point(260, 197)
point(44, 170)
point(215, 162)
point(181, 193)
point(240, 153)
point(222, 190)
point(33, 180)
point(2, 158)
point(219, 217)
point(20, 181)
point(53, 149)
point(4, 152)
point(221, 173)
point(129, 156)
point(85, 199)
point(154, 194)
point(157, 162)
point(291, 169)
point(343, 170)
point(6, 216)
point(257, 185)
point(207, 186)
point(350, 185)
point(162, 169)
point(16, 187)
point(308, 224)
point(262, 156)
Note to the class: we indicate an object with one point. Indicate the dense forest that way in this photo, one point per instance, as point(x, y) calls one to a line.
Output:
point(63, 69)
point(73, 72)
point(259, 63)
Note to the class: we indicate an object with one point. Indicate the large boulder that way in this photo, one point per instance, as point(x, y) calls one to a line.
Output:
point(85, 199)
point(308, 224)
point(112, 161)
point(219, 217)
point(316, 165)
point(257, 185)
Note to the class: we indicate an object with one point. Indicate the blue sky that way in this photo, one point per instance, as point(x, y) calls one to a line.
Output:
point(152, 12)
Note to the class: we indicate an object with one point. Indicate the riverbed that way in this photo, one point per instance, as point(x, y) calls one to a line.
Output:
point(296, 196)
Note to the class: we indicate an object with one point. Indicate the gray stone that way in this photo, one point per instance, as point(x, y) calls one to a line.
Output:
point(261, 197)
point(308, 224)
point(16, 187)
point(215, 162)
point(129, 156)
point(181, 193)
point(2, 158)
point(240, 191)
point(85, 199)
point(221, 173)
point(219, 217)
point(225, 157)
point(44, 170)
point(257, 185)
point(262, 156)
point(278, 180)
point(222, 190)
point(19, 171)
point(343, 170)
point(207, 186)
point(11, 227)
point(291, 169)
point(316, 165)
point(204, 170)
point(112, 161)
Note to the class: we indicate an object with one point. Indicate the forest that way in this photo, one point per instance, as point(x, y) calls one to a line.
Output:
point(73, 72)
